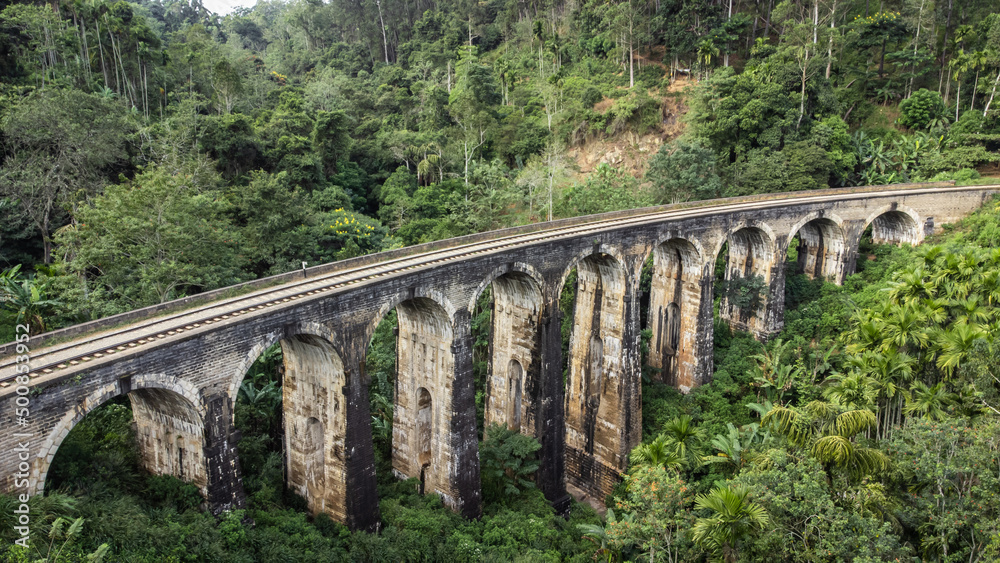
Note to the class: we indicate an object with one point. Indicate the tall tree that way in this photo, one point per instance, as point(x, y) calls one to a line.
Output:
point(61, 146)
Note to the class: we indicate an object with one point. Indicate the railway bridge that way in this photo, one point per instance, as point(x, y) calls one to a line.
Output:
point(182, 363)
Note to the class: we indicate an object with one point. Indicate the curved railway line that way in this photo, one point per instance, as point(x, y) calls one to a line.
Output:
point(95, 348)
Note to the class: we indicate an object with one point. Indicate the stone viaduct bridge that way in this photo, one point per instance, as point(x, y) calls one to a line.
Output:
point(181, 363)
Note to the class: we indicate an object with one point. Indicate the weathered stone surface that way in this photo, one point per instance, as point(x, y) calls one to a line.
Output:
point(315, 423)
point(183, 386)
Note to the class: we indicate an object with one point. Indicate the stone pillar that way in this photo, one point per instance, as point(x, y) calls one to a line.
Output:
point(599, 391)
point(704, 349)
point(630, 395)
point(512, 384)
point(315, 411)
point(434, 436)
point(550, 422)
point(225, 489)
point(675, 306)
point(359, 455)
point(464, 437)
point(774, 304)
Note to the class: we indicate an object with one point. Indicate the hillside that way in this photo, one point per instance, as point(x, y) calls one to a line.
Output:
point(152, 150)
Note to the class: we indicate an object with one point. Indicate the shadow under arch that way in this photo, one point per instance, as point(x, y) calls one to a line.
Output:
point(894, 224)
point(675, 310)
point(170, 430)
point(822, 247)
point(597, 396)
point(747, 277)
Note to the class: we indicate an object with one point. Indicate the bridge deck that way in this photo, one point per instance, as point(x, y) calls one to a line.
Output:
point(154, 328)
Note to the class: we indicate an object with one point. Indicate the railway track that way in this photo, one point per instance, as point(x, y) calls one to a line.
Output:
point(100, 347)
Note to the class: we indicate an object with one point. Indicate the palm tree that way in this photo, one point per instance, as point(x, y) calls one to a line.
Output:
point(599, 535)
point(911, 285)
point(734, 447)
point(904, 327)
point(25, 296)
point(854, 390)
point(656, 453)
point(930, 402)
point(829, 433)
point(892, 372)
point(954, 344)
point(970, 310)
point(685, 440)
point(263, 404)
point(733, 519)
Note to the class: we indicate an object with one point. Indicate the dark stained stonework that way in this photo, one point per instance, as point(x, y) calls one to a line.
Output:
point(185, 381)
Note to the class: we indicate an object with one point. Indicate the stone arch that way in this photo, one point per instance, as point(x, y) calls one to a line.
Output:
point(894, 224)
point(401, 296)
point(315, 420)
point(675, 304)
point(739, 226)
point(822, 247)
point(752, 256)
point(268, 340)
point(181, 389)
point(836, 219)
point(514, 337)
point(506, 269)
point(598, 249)
point(425, 362)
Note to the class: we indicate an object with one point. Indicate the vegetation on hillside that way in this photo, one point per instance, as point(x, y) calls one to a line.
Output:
point(151, 150)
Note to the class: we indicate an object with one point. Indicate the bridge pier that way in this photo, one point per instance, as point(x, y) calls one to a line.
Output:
point(600, 392)
point(550, 423)
point(225, 487)
point(677, 315)
point(464, 464)
point(315, 423)
point(512, 386)
point(434, 435)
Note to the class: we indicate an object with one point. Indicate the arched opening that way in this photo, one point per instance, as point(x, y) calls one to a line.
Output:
point(595, 379)
point(515, 400)
point(411, 365)
point(506, 354)
point(424, 420)
point(817, 251)
point(291, 411)
point(674, 305)
point(117, 446)
point(747, 275)
point(890, 228)
point(895, 227)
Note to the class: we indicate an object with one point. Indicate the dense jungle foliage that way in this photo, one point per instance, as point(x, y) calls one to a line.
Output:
point(151, 150)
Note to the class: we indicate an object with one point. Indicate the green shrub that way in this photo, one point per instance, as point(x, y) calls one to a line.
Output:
point(921, 109)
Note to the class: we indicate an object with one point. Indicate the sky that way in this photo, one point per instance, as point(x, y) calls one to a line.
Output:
point(223, 7)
